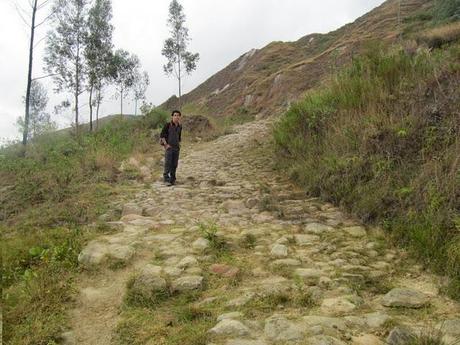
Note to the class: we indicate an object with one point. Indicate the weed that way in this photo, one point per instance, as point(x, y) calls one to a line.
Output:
point(209, 231)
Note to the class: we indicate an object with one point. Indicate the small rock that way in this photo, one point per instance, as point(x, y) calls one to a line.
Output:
point(376, 320)
point(188, 283)
point(93, 254)
point(242, 300)
point(200, 244)
point(251, 202)
point(305, 239)
point(450, 327)
point(229, 327)
point(286, 263)
point(278, 328)
point(399, 336)
point(355, 231)
point(152, 211)
point(279, 251)
point(327, 322)
point(367, 339)
point(337, 305)
point(188, 261)
point(224, 270)
point(317, 228)
point(149, 282)
point(121, 252)
point(66, 338)
point(408, 298)
point(309, 275)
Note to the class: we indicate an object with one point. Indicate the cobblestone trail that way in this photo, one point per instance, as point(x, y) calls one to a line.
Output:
point(332, 280)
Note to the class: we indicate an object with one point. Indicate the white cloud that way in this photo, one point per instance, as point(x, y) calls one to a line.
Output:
point(221, 31)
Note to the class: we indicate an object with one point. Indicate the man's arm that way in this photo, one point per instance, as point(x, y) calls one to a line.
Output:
point(164, 134)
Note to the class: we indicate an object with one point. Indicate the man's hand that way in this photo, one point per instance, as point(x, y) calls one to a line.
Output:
point(167, 146)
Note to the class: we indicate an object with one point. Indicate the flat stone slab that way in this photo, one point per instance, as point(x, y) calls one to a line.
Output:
point(230, 327)
point(367, 339)
point(286, 263)
point(94, 253)
point(317, 228)
point(305, 239)
point(309, 275)
point(233, 315)
point(224, 270)
point(278, 328)
point(188, 283)
point(338, 305)
point(450, 327)
point(355, 231)
point(324, 321)
point(200, 244)
point(407, 298)
point(149, 282)
point(279, 251)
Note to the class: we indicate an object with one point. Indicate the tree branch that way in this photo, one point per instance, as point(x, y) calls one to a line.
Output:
point(46, 76)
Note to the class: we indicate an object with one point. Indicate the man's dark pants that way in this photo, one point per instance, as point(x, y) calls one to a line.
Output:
point(171, 161)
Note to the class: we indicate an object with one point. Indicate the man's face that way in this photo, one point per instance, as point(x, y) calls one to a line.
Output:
point(176, 118)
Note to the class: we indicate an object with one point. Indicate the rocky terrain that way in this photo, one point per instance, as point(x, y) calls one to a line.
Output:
point(263, 263)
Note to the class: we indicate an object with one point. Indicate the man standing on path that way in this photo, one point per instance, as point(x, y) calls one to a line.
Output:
point(170, 138)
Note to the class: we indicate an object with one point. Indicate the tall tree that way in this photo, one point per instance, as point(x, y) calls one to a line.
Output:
point(35, 7)
point(64, 55)
point(124, 68)
point(180, 61)
point(98, 51)
point(39, 120)
point(141, 83)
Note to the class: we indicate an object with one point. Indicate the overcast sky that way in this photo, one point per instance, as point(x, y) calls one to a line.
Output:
point(221, 31)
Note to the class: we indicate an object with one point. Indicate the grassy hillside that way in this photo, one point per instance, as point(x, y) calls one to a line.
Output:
point(382, 139)
point(265, 81)
point(49, 198)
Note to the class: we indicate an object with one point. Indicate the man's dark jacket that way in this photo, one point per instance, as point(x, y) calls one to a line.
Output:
point(172, 134)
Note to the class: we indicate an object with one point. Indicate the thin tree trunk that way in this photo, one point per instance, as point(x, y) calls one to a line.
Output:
point(135, 107)
point(91, 109)
point(97, 109)
point(29, 76)
point(180, 92)
point(121, 102)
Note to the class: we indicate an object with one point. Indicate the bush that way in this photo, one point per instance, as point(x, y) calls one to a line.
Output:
point(447, 10)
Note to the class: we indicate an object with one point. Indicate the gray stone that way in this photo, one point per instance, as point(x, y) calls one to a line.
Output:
point(328, 322)
point(286, 262)
point(251, 202)
point(120, 252)
point(279, 251)
point(408, 298)
point(376, 320)
point(309, 275)
point(131, 208)
point(317, 228)
point(94, 253)
point(324, 340)
point(172, 271)
point(188, 283)
point(355, 231)
point(229, 327)
point(305, 239)
point(200, 244)
point(338, 305)
point(278, 328)
point(188, 261)
point(66, 338)
point(399, 336)
point(450, 327)
point(149, 282)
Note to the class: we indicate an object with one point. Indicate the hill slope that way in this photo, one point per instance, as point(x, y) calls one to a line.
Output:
point(265, 81)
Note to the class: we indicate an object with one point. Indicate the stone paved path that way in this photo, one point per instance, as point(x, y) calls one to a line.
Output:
point(326, 278)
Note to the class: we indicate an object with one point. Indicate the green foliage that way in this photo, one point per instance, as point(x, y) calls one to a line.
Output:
point(447, 10)
point(155, 118)
point(209, 231)
point(376, 140)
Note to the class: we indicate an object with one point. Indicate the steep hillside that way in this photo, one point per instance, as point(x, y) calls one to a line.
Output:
point(264, 81)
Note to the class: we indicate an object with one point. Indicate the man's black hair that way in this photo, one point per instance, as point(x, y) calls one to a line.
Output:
point(176, 111)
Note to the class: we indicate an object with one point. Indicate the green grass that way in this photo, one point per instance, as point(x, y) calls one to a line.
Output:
point(58, 186)
point(382, 140)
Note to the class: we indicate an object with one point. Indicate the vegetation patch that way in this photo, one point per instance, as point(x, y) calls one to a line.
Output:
point(382, 140)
